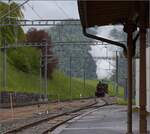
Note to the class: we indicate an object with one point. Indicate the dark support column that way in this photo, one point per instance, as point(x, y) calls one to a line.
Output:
point(130, 82)
point(129, 29)
point(143, 120)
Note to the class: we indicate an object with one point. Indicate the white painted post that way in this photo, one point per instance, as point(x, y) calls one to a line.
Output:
point(11, 106)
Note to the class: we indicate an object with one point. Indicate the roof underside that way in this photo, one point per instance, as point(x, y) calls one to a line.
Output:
point(110, 12)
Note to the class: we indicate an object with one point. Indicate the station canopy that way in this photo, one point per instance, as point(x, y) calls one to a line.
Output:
point(101, 13)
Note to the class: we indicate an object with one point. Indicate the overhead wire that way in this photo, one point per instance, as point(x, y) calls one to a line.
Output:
point(61, 9)
point(35, 11)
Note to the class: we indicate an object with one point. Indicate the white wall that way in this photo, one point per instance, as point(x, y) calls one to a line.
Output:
point(137, 82)
point(148, 80)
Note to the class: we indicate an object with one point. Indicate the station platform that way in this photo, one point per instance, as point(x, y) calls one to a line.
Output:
point(105, 120)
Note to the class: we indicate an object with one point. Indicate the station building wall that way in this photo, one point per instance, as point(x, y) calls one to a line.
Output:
point(148, 79)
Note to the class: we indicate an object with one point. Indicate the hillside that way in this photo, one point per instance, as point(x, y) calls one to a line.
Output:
point(75, 55)
point(20, 81)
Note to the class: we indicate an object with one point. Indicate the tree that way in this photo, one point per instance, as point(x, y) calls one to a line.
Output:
point(76, 58)
point(119, 35)
point(40, 36)
point(7, 32)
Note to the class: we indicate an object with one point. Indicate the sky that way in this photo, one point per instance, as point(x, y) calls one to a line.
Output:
point(69, 10)
point(51, 10)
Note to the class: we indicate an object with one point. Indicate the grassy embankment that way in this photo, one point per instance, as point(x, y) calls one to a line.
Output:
point(19, 81)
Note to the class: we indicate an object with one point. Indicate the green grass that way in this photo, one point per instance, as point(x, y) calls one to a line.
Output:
point(19, 81)
point(112, 90)
point(121, 101)
point(120, 97)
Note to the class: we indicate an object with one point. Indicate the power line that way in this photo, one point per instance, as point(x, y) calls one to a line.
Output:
point(34, 11)
point(14, 9)
point(61, 9)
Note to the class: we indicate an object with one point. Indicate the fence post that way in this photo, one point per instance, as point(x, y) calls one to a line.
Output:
point(11, 105)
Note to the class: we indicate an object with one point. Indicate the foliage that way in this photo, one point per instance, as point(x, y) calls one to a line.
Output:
point(20, 81)
point(7, 32)
point(119, 35)
point(77, 57)
point(40, 36)
point(25, 59)
point(112, 90)
point(121, 101)
point(22, 58)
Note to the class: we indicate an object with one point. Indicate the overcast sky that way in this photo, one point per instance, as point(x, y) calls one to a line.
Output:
point(69, 10)
point(51, 10)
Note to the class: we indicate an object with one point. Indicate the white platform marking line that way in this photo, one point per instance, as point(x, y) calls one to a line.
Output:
point(97, 128)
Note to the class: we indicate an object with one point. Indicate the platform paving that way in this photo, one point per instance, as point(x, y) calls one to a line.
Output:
point(107, 120)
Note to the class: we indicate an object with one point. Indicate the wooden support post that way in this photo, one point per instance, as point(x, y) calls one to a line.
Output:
point(129, 82)
point(143, 120)
point(129, 28)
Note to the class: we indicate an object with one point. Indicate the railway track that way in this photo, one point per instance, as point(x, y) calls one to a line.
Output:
point(48, 124)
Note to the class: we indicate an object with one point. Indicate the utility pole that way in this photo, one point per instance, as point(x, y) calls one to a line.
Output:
point(126, 88)
point(46, 70)
point(116, 73)
point(5, 66)
point(84, 75)
point(41, 87)
point(70, 79)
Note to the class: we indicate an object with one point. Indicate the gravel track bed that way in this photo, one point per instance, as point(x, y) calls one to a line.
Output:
point(16, 123)
point(46, 126)
point(40, 129)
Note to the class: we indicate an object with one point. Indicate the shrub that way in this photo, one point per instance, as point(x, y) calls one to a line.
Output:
point(25, 59)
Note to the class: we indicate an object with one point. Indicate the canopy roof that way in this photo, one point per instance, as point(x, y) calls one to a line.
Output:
point(101, 13)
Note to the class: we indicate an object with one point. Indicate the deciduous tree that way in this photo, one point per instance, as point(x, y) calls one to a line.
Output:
point(40, 36)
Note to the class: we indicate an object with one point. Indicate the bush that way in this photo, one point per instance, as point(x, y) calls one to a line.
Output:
point(25, 59)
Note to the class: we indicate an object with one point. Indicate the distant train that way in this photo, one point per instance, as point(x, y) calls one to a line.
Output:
point(101, 89)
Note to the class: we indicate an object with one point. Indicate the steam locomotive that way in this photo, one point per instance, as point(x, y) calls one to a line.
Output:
point(101, 89)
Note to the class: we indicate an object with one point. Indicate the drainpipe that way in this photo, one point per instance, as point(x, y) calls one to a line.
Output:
point(105, 40)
